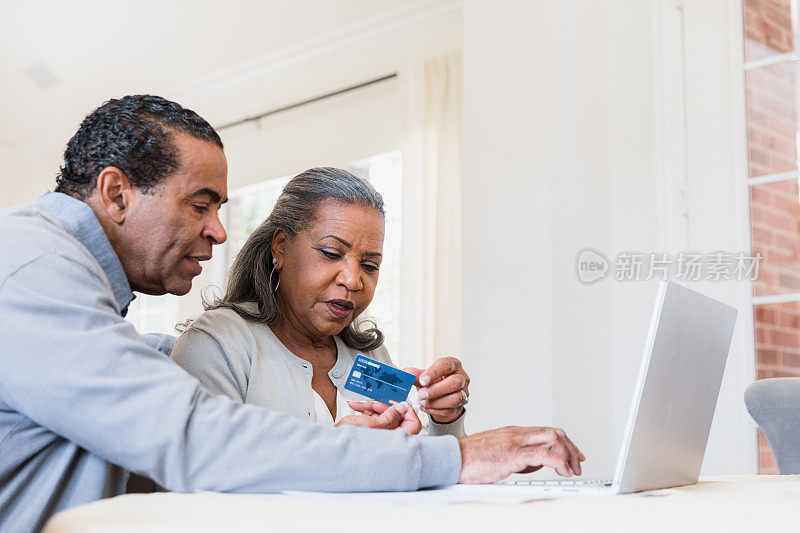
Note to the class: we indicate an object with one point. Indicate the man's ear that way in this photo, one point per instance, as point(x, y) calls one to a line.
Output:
point(114, 193)
point(278, 247)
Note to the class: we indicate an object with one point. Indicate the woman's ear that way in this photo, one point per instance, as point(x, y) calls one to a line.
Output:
point(114, 193)
point(278, 247)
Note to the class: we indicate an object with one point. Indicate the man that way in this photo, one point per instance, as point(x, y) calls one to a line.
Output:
point(85, 401)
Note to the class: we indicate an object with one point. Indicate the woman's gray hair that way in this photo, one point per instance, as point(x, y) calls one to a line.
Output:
point(296, 209)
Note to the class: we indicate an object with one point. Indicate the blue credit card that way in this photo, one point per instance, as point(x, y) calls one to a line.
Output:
point(379, 381)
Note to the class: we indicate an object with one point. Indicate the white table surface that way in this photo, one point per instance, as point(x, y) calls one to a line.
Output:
point(727, 503)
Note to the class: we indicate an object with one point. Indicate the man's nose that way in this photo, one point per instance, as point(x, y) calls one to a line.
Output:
point(215, 231)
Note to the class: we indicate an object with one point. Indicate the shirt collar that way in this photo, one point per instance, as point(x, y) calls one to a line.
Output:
point(82, 222)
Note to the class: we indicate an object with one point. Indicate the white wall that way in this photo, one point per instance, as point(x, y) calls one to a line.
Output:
point(544, 176)
point(332, 132)
point(563, 141)
point(335, 131)
point(313, 62)
point(25, 179)
point(717, 205)
point(507, 211)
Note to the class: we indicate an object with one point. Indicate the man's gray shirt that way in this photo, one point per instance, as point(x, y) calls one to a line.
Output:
point(84, 400)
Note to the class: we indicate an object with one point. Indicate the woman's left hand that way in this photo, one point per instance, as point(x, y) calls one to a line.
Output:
point(382, 416)
point(442, 389)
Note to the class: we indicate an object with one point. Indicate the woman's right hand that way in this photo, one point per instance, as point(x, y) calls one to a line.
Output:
point(378, 415)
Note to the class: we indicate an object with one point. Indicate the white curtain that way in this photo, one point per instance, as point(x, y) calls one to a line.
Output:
point(431, 248)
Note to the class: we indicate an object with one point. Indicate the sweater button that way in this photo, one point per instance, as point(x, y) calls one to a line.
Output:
point(337, 374)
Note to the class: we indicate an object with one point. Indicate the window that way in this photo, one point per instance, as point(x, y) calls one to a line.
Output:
point(248, 207)
point(385, 173)
point(773, 119)
point(154, 314)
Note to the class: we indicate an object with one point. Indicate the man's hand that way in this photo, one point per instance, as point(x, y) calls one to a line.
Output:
point(439, 388)
point(381, 416)
point(494, 455)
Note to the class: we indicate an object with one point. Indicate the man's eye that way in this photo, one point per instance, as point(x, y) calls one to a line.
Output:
point(200, 208)
point(369, 267)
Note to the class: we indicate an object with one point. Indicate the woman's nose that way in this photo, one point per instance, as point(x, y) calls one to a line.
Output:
point(348, 277)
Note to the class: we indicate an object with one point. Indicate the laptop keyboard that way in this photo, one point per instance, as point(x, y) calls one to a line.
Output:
point(556, 482)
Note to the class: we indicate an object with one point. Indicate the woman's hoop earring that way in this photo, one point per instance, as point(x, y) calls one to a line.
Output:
point(279, 279)
point(274, 262)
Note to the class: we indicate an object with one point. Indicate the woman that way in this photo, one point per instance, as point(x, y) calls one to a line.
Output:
point(283, 336)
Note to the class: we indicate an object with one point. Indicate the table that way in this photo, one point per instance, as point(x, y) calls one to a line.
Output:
point(726, 503)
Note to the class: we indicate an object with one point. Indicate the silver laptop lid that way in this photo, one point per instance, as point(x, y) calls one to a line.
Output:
point(676, 395)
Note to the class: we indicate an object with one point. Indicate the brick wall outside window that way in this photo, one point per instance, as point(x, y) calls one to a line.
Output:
point(772, 113)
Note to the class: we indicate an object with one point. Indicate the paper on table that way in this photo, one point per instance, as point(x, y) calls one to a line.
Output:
point(496, 494)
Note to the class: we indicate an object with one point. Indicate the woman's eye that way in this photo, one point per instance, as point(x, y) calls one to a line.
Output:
point(329, 254)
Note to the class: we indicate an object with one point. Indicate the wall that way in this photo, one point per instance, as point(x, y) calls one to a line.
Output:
point(544, 169)
point(312, 63)
point(569, 142)
point(332, 132)
point(717, 205)
point(24, 180)
point(507, 212)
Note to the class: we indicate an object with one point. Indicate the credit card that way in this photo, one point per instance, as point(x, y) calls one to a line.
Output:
point(378, 381)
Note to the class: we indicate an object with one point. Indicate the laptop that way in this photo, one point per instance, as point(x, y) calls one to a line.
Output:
point(674, 400)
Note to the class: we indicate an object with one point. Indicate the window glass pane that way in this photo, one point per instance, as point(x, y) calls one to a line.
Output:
point(775, 216)
point(777, 340)
point(154, 314)
point(769, 28)
point(772, 118)
point(385, 173)
point(772, 114)
point(777, 355)
point(247, 209)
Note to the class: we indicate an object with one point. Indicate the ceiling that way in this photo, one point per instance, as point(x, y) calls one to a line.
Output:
point(59, 60)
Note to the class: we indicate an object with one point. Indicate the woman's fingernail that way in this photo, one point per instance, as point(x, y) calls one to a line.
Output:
point(402, 407)
point(424, 379)
point(423, 403)
point(422, 395)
